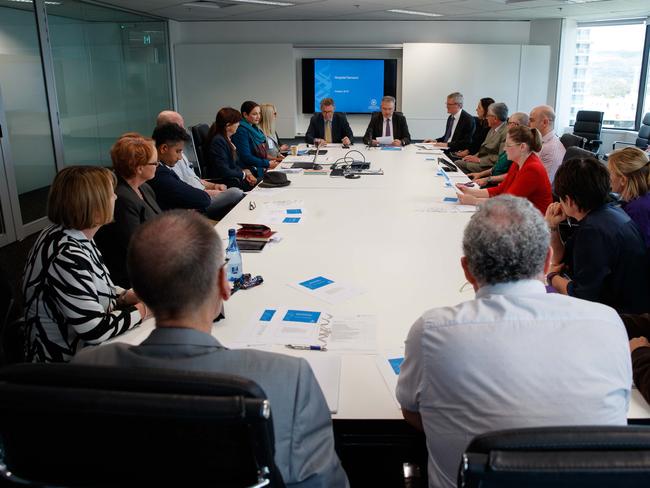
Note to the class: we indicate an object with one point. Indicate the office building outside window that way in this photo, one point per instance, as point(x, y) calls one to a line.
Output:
point(607, 69)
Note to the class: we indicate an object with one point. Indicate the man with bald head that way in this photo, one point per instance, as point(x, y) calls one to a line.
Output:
point(542, 118)
point(222, 198)
point(176, 264)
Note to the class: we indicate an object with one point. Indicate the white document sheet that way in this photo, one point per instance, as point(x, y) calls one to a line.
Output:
point(389, 366)
point(283, 326)
point(327, 289)
point(327, 369)
point(356, 333)
point(385, 141)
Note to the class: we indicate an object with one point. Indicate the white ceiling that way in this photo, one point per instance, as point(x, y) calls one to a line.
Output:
point(338, 10)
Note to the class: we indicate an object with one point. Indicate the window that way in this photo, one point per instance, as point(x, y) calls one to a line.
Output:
point(607, 72)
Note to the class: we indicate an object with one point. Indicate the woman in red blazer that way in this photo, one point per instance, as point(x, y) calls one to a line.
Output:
point(527, 178)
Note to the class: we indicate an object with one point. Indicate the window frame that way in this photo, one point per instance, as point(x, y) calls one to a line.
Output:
point(645, 62)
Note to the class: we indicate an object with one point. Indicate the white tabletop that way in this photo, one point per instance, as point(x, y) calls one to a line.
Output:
point(374, 233)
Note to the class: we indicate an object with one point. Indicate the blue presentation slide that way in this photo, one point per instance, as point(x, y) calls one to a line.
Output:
point(356, 85)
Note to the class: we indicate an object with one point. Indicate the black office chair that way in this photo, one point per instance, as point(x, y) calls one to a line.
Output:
point(78, 425)
point(642, 138)
point(12, 325)
point(577, 152)
point(571, 140)
point(200, 136)
point(558, 457)
point(589, 124)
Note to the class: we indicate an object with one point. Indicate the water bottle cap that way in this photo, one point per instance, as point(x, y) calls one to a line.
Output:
point(231, 232)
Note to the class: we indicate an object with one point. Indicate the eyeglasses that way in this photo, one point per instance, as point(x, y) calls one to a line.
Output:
point(512, 145)
point(450, 104)
point(152, 164)
point(512, 122)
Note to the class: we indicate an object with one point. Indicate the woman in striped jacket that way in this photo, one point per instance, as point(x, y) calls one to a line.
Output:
point(70, 300)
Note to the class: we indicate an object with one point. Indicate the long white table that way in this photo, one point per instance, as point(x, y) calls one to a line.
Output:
point(374, 233)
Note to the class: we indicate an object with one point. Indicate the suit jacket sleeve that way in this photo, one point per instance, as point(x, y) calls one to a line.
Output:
point(405, 135)
point(314, 463)
point(462, 138)
point(369, 135)
point(313, 132)
point(172, 193)
point(345, 130)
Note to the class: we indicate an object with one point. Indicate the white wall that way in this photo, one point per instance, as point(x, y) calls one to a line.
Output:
point(352, 33)
point(430, 74)
point(308, 39)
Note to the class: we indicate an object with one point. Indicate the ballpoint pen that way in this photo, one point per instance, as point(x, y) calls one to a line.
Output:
point(306, 348)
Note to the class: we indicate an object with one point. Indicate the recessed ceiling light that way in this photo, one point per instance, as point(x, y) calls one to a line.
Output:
point(202, 4)
point(414, 12)
point(32, 1)
point(265, 2)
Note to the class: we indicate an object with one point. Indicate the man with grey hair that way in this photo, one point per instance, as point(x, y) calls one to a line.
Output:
point(514, 356)
point(176, 264)
point(492, 146)
point(460, 126)
point(542, 118)
point(387, 124)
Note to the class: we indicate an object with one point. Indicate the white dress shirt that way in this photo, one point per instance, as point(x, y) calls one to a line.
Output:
point(513, 357)
point(456, 117)
point(383, 127)
point(186, 173)
point(551, 154)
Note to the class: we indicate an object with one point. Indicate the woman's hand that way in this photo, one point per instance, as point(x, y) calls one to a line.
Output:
point(554, 215)
point(273, 163)
point(466, 199)
point(638, 342)
point(250, 177)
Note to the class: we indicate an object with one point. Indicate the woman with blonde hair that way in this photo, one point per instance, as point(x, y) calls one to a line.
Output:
point(629, 172)
point(70, 299)
point(267, 124)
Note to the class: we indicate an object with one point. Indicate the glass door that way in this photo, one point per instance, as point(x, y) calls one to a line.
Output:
point(7, 234)
point(29, 162)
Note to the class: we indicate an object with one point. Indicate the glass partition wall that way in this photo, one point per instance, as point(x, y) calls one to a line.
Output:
point(73, 77)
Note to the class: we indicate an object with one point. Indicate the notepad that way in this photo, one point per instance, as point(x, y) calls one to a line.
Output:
point(327, 369)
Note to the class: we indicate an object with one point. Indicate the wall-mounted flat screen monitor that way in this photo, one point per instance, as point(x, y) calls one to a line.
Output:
point(356, 85)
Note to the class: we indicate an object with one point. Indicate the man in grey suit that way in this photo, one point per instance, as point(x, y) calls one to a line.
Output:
point(488, 153)
point(176, 264)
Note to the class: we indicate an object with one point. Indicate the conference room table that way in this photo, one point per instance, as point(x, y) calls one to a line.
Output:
point(391, 236)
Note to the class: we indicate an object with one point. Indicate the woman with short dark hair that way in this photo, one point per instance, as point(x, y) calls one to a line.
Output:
point(70, 299)
point(222, 154)
point(605, 259)
point(251, 141)
point(134, 161)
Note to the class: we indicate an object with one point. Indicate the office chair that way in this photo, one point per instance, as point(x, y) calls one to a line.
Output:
point(577, 152)
point(571, 140)
point(199, 136)
point(642, 138)
point(79, 425)
point(561, 457)
point(589, 124)
point(12, 325)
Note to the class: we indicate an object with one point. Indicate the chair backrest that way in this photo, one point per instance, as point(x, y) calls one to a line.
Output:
point(559, 457)
point(66, 424)
point(589, 124)
point(643, 138)
point(577, 152)
point(200, 136)
point(571, 140)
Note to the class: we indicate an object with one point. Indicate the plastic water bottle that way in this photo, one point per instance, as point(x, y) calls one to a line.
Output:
point(233, 255)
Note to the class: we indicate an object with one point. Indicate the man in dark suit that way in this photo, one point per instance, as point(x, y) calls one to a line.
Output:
point(387, 123)
point(328, 126)
point(460, 126)
point(176, 265)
